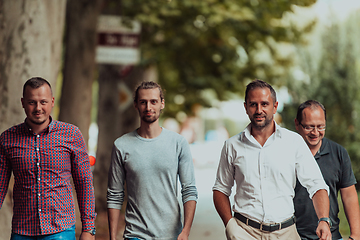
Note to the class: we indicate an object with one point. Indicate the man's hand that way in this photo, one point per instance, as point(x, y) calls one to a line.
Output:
point(189, 212)
point(323, 231)
point(86, 236)
point(183, 236)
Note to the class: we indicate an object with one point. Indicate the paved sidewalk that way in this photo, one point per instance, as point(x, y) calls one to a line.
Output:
point(207, 223)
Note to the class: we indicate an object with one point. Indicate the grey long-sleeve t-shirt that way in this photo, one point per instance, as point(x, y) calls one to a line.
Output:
point(150, 168)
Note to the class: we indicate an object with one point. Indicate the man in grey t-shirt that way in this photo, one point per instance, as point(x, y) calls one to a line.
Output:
point(335, 165)
point(150, 160)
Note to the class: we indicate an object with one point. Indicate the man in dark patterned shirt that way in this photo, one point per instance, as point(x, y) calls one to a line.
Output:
point(43, 154)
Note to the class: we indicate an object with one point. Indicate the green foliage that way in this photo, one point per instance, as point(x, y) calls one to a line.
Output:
point(211, 44)
point(335, 82)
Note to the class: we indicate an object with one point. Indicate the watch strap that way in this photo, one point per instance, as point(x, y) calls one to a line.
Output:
point(92, 231)
point(325, 219)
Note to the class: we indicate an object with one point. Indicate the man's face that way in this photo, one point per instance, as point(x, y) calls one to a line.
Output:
point(149, 104)
point(38, 103)
point(313, 118)
point(260, 107)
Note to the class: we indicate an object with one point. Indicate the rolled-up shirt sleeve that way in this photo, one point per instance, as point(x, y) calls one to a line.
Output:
point(308, 171)
point(116, 180)
point(186, 173)
point(225, 172)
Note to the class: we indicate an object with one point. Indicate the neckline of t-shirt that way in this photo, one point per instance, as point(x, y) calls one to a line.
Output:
point(149, 139)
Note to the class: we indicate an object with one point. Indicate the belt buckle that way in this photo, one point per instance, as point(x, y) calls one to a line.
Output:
point(261, 226)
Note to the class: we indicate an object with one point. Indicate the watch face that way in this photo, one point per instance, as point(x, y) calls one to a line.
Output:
point(330, 223)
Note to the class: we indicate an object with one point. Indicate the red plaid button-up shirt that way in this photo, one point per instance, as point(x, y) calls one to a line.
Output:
point(43, 165)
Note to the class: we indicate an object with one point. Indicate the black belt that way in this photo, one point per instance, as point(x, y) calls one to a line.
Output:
point(268, 228)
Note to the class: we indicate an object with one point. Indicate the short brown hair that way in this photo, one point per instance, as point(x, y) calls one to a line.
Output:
point(148, 85)
point(35, 82)
point(257, 83)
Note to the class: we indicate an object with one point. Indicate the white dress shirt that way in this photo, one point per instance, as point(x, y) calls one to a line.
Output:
point(265, 176)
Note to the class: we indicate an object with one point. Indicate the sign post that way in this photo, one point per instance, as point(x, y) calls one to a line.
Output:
point(117, 55)
point(118, 43)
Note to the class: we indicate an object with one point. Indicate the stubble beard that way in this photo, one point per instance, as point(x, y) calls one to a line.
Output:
point(37, 122)
point(261, 125)
point(150, 119)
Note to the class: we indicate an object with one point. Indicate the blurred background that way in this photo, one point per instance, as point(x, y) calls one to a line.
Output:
point(203, 53)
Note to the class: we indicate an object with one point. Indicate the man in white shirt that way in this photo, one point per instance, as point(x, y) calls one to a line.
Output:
point(265, 160)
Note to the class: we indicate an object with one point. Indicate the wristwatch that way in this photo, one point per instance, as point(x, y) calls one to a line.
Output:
point(325, 220)
point(92, 231)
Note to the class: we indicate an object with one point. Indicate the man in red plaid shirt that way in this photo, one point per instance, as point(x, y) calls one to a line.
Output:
point(44, 154)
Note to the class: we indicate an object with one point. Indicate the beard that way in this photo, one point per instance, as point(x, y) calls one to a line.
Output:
point(262, 124)
point(150, 119)
point(36, 120)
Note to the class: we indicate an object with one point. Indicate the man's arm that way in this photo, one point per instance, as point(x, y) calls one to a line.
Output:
point(115, 192)
point(222, 206)
point(188, 188)
point(5, 174)
point(350, 201)
point(189, 212)
point(322, 206)
point(83, 181)
point(113, 219)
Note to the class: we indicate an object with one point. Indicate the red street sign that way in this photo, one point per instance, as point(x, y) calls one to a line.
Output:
point(118, 40)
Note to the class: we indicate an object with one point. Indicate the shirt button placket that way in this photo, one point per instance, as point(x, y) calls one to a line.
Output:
point(38, 174)
point(262, 179)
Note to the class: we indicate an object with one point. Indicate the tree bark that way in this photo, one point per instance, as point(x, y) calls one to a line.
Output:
point(79, 64)
point(30, 45)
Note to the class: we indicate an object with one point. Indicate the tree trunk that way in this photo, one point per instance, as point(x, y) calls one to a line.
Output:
point(79, 63)
point(30, 45)
point(116, 116)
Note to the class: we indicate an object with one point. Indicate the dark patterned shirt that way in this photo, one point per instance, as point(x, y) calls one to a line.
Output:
point(43, 165)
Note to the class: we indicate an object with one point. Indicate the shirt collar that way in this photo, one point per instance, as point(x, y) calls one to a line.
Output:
point(324, 149)
point(247, 131)
point(51, 124)
point(47, 129)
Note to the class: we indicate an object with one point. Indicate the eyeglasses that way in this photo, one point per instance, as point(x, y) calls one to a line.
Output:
point(308, 128)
